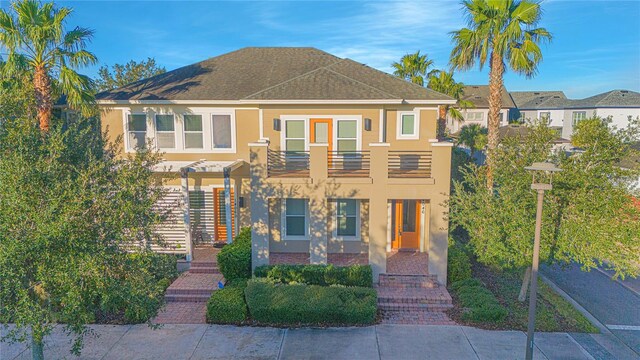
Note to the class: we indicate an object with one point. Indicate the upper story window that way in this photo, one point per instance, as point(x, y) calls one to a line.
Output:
point(408, 125)
point(193, 133)
point(165, 131)
point(347, 136)
point(578, 116)
point(294, 136)
point(136, 131)
point(223, 131)
point(474, 116)
point(546, 116)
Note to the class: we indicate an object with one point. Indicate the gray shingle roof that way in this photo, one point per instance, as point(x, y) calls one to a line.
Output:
point(479, 95)
point(613, 98)
point(529, 100)
point(273, 73)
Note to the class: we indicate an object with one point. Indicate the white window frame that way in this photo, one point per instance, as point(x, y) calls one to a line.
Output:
point(232, 119)
point(575, 121)
point(541, 115)
point(416, 125)
point(334, 135)
point(175, 131)
point(283, 221)
point(357, 237)
point(467, 113)
point(125, 120)
point(185, 132)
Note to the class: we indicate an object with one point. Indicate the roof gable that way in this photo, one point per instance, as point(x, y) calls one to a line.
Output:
point(479, 96)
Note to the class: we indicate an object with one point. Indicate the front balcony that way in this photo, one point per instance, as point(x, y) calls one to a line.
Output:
point(400, 164)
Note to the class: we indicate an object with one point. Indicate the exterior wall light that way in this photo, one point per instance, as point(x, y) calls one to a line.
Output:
point(277, 124)
point(367, 124)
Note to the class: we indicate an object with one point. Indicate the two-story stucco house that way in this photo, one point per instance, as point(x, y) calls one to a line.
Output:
point(326, 159)
point(479, 113)
point(543, 105)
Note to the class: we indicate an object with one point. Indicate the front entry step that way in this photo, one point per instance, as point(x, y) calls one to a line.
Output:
point(413, 299)
point(204, 267)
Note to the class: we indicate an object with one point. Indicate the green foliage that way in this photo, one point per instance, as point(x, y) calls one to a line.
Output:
point(310, 304)
point(458, 265)
point(120, 75)
point(413, 68)
point(460, 160)
point(234, 259)
point(588, 217)
point(323, 275)
point(443, 82)
point(34, 35)
point(480, 303)
point(474, 137)
point(227, 305)
point(70, 208)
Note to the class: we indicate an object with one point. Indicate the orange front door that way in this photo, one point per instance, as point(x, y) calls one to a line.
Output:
point(220, 217)
point(406, 224)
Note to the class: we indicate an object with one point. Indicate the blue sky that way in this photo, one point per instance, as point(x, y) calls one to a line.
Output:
point(596, 44)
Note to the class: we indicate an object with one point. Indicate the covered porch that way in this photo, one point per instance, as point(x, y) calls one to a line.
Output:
point(204, 212)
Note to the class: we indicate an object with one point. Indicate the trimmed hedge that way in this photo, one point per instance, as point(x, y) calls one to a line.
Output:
point(481, 304)
point(227, 305)
point(279, 304)
point(234, 260)
point(459, 265)
point(323, 275)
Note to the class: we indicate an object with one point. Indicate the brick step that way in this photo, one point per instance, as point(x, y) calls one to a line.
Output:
point(417, 295)
point(416, 318)
point(204, 270)
point(180, 291)
point(408, 281)
point(386, 306)
point(187, 298)
point(203, 263)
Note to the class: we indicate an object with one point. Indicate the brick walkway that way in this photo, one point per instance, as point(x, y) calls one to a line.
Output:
point(407, 294)
point(186, 298)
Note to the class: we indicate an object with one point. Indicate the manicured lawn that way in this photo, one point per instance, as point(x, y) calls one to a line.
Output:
point(553, 312)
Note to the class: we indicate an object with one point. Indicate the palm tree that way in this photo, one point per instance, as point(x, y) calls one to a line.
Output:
point(502, 32)
point(37, 42)
point(443, 82)
point(413, 67)
point(474, 137)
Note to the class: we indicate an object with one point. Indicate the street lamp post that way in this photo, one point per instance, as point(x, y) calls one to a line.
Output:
point(547, 168)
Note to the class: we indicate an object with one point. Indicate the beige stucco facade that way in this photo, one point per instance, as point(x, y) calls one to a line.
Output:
point(262, 196)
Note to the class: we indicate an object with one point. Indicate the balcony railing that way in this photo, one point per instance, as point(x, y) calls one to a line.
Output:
point(409, 164)
point(287, 163)
point(348, 163)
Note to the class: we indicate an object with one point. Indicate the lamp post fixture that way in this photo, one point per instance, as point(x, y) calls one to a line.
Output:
point(540, 187)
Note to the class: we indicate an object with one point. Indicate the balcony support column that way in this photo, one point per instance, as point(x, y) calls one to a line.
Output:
point(438, 225)
point(378, 209)
point(259, 205)
point(318, 204)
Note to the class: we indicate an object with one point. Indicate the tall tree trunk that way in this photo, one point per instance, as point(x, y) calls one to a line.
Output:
point(37, 346)
point(42, 87)
point(495, 103)
point(525, 285)
point(442, 121)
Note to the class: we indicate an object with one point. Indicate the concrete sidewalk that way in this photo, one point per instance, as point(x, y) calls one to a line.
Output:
point(374, 342)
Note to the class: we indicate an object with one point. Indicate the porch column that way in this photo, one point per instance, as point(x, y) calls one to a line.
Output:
point(259, 205)
point(184, 181)
point(318, 209)
point(438, 225)
point(378, 209)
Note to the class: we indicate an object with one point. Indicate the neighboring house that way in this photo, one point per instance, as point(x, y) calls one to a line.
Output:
point(479, 113)
point(328, 160)
point(547, 105)
point(619, 105)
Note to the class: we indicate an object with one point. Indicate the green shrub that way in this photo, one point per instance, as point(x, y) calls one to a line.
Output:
point(302, 304)
point(227, 305)
point(494, 313)
point(459, 265)
point(234, 260)
point(465, 283)
point(472, 297)
point(323, 275)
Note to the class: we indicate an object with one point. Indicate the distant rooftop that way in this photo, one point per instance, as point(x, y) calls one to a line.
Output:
point(534, 100)
point(479, 95)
